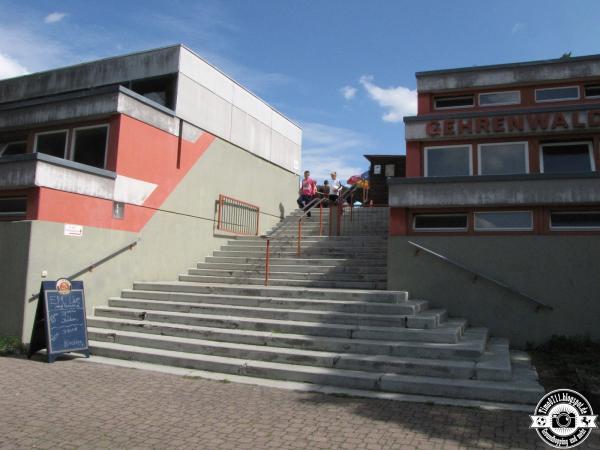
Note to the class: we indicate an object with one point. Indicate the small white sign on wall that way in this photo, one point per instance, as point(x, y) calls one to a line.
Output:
point(296, 164)
point(73, 230)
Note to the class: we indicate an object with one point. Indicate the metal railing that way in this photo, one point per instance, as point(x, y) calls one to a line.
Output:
point(312, 204)
point(237, 217)
point(99, 262)
point(478, 274)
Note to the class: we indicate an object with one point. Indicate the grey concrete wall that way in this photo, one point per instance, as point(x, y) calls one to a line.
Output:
point(170, 243)
point(14, 252)
point(527, 189)
point(561, 271)
point(506, 74)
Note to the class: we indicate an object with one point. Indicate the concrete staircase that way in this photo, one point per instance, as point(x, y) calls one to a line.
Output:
point(325, 318)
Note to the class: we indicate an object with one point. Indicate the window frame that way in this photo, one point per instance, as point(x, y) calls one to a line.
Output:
point(518, 102)
point(41, 133)
point(414, 229)
point(571, 228)
point(496, 230)
point(88, 127)
point(557, 144)
point(591, 96)
point(434, 147)
point(479, 159)
point(6, 144)
point(13, 214)
point(456, 97)
point(554, 99)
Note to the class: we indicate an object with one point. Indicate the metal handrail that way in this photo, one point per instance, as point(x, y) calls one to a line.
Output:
point(97, 263)
point(478, 274)
point(340, 206)
point(314, 202)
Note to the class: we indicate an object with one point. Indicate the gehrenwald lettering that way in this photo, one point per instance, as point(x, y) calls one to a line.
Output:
point(524, 123)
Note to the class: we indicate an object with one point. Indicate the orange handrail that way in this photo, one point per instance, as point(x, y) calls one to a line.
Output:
point(268, 253)
point(314, 202)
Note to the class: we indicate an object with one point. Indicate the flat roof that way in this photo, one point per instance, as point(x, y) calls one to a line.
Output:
point(560, 60)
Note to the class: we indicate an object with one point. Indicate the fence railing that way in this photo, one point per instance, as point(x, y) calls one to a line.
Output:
point(237, 217)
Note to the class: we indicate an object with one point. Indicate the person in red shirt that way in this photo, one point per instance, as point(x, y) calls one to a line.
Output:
point(307, 192)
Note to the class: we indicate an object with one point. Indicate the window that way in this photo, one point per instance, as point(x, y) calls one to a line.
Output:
point(574, 220)
point(52, 143)
point(592, 91)
point(440, 222)
point(118, 210)
point(503, 158)
point(465, 101)
point(503, 221)
point(12, 207)
point(500, 98)
point(390, 170)
point(567, 157)
point(557, 94)
point(160, 90)
point(13, 148)
point(448, 161)
point(89, 145)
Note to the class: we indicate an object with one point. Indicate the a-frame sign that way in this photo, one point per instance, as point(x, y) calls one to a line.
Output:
point(60, 325)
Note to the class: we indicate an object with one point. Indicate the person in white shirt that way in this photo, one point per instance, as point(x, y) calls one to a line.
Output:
point(335, 188)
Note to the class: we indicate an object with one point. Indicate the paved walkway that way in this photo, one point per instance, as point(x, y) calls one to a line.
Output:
point(76, 404)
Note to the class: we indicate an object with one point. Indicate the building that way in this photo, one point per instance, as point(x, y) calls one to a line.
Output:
point(381, 168)
point(131, 152)
point(503, 182)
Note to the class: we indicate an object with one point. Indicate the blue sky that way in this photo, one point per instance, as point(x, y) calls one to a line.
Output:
point(343, 69)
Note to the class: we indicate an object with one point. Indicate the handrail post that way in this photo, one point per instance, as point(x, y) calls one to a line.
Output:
point(339, 217)
point(220, 211)
point(257, 219)
point(351, 206)
point(331, 208)
point(268, 252)
point(299, 251)
point(321, 219)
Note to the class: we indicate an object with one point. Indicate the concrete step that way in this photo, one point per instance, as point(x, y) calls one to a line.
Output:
point(334, 269)
point(284, 314)
point(255, 323)
point(310, 243)
point(310, 274)
point(468, 344)
point(320, 249)
point(346, 306)
point(364, 258)
point(262, 291)
point(518, 390)
point(360, 238)
point(495, 363)
point(303, 261)
point(356, 252)
point(347, 361)
point(284, 282)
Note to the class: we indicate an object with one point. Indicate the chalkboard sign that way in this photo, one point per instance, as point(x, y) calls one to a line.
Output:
point(60, 324)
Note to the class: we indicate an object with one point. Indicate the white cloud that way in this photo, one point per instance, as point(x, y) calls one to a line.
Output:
point(399, 101)
point(54, 17)
point(517, 27)
point(326, 148)
point(348, 92)
point(10, 68)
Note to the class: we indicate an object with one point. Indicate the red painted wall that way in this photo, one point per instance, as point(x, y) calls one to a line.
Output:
point(142, 152)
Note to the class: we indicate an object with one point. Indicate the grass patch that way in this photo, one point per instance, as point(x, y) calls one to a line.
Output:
point(571, 363)
point(11, 345)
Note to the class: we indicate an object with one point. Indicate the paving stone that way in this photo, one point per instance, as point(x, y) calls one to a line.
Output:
point(72, 404)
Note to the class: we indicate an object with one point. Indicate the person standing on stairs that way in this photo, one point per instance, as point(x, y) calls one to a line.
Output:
point(308, 190)
point(335, 189)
